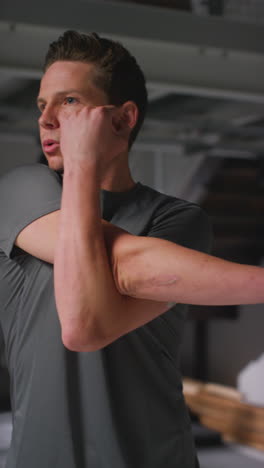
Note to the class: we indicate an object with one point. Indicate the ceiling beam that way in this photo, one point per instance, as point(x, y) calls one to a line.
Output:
point(178, 51)
point(130, 20)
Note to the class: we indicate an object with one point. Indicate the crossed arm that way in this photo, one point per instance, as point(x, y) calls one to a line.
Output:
point(109, 282)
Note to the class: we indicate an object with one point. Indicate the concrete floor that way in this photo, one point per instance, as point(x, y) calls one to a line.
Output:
point(220, 456)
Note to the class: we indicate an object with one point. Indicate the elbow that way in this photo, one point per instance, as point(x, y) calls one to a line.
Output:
point(73, 343)
point(81, 340)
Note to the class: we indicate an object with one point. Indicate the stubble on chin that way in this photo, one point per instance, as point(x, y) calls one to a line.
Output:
point(56, 164)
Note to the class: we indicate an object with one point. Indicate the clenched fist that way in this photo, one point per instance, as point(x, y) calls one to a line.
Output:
point(96, 134)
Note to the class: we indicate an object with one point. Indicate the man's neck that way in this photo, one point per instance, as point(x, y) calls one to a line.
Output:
point(117, 177)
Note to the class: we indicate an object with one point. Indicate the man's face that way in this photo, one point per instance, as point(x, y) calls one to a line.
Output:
point(65, 87)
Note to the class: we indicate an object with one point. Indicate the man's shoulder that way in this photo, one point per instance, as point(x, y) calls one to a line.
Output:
point(27, 192)
point(178, 220)
point(25, 172)
point(169, 204)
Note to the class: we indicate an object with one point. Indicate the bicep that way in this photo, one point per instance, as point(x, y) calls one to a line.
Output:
point(141, 264)
point(38, 238)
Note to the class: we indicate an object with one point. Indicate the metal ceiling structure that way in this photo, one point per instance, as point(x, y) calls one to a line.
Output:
point(204, 73)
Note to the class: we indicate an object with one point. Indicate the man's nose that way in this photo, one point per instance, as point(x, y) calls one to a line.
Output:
point(48, 118)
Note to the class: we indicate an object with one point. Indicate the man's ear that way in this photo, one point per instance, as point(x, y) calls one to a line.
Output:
point(126, 118)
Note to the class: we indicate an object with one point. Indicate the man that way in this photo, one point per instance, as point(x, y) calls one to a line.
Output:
point(95, 379)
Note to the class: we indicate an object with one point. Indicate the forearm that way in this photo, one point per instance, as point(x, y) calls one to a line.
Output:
point(83, 282)
point(91, 310)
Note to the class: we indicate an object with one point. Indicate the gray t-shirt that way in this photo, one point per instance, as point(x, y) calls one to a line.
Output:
point(119, 407)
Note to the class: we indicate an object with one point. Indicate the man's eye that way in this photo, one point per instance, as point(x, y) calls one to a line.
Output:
point(41, 108)
point(70, 100)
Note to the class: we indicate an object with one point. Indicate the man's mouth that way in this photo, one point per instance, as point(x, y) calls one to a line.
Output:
point(49, 146)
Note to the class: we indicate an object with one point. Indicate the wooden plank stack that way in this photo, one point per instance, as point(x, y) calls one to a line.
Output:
point(222, 409)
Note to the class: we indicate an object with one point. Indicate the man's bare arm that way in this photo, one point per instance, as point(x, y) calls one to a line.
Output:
point(91, 309)
point(39, 237)
point(157, 269)
point(135, 258)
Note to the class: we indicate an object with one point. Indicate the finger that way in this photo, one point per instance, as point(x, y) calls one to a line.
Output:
point(107, 113)
point(108, 107)
point(108, 110)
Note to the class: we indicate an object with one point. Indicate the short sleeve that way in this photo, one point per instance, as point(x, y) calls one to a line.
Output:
point(183, 223)
point(26, 193)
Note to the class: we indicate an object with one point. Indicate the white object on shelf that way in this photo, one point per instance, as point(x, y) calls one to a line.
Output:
point(250, 382)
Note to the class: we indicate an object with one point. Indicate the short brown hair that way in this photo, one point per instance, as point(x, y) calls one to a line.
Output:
point(119, 74)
